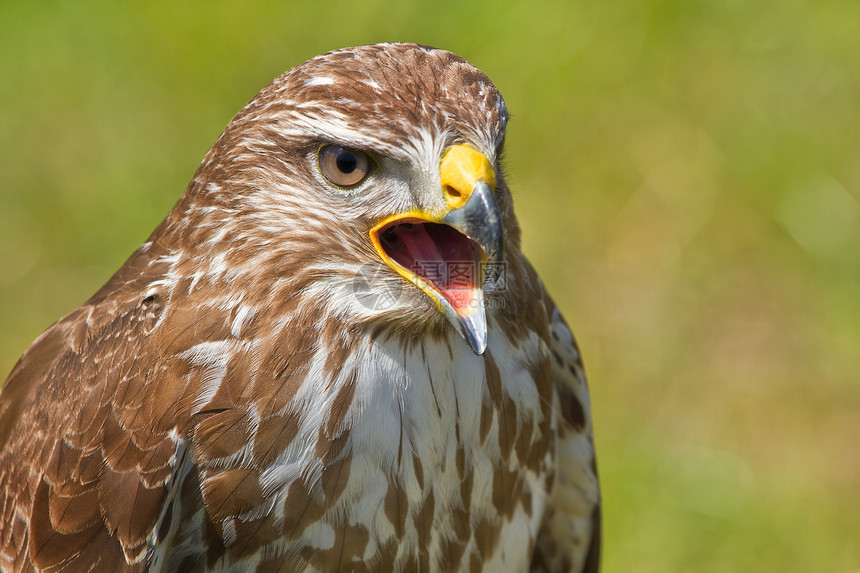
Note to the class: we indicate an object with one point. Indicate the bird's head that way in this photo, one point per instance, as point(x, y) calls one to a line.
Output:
point(367, 180)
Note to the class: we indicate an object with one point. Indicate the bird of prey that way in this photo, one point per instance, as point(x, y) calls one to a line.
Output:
point(330, 355)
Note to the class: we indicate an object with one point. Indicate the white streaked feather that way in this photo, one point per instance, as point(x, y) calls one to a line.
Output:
point(319, 81)
point(213, 357)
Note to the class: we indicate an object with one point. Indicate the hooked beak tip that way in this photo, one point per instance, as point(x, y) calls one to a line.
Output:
point(474, 329)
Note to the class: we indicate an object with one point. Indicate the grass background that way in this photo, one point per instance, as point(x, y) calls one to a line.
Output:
point(687, 174)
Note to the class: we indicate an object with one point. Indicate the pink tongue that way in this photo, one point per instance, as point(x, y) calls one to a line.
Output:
point(418, 243)
point(450, 267)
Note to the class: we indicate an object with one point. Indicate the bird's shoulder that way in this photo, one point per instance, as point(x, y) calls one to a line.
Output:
point(86, 451)
point(110, 419)
point(569, 539)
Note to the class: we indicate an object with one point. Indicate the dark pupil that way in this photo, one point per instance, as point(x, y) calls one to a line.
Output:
point(346, 162)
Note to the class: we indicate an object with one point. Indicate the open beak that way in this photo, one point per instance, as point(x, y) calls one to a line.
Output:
point(447, 254)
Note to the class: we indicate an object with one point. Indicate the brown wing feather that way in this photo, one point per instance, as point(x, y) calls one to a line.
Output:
point(570, 537)
point(83, 471)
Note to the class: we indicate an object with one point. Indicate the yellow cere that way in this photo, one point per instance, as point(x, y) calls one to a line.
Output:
point(460, 169)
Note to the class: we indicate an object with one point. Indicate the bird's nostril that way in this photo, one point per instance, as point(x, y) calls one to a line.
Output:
point(452, 192)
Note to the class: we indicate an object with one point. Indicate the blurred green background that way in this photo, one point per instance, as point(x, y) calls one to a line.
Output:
point(687, 174)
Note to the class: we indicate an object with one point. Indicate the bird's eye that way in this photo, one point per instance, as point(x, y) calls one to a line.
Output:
point(344, 167)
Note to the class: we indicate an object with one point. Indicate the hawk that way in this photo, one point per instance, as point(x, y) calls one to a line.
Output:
point(331, 355)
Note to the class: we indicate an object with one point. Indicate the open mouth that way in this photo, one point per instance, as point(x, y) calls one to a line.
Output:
point(446, 252)
point(443, 258)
